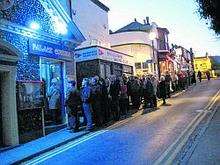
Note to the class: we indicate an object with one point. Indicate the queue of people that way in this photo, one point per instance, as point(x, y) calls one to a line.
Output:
point(103, 100)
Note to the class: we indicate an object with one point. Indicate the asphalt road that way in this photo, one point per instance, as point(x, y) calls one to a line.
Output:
point(143, 139)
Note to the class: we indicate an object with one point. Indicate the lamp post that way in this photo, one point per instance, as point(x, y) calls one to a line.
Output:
point(152, 37)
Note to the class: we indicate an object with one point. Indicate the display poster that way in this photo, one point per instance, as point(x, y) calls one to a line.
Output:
point(30, 95)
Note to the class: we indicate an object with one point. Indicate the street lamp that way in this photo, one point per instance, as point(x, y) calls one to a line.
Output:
point(152, 37)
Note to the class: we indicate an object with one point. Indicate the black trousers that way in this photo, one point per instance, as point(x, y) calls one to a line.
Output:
point(98, 116)
point(115, 109)
point(124, 106)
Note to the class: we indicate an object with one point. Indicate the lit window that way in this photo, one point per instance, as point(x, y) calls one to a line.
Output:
point(145, 65)
point(138, 65)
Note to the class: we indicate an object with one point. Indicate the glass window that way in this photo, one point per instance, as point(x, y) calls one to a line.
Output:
point(145, 65)
point(138, 65)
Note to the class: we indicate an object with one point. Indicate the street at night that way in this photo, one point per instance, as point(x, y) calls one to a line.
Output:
point(139, 141)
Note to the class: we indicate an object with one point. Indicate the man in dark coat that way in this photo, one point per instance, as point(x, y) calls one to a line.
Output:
point(168, 80)
point(162, 89)
point(73, 104)
point(114, 93)
point(96, 102)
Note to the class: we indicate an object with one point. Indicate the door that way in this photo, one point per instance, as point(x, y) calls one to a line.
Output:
point(52, 76)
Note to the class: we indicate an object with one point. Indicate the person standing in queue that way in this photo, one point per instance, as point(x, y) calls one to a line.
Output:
point(168, 81)
point(114, 93)
point(162, 89)
point(73, 104)
point(86, 103)
point(96, 101)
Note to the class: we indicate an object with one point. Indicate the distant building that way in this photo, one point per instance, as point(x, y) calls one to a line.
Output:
point(134, 39)
point(215, 60)
point(203, 64)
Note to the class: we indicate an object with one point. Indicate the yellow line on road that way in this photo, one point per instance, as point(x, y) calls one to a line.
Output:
point(170, 154)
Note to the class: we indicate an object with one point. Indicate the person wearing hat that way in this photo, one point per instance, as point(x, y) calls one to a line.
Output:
point(73, 104)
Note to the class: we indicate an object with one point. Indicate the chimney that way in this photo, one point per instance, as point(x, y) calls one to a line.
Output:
point(147, 19)
point(135, 20)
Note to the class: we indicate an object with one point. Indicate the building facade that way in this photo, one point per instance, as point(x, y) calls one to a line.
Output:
point(134, 39)
point(203, 64)
point(94, 56)
point(37, 40)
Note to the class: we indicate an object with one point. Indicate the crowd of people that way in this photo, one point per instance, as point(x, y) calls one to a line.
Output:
point(104, 100)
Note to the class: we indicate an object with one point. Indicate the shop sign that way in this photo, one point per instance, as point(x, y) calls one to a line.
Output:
point(116, 57)
point(86, 54)
point(93, 53)
point(49, 50)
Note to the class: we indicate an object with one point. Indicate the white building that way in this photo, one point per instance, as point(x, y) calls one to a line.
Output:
point(91, 16)
point(135, 39)
point(94, 56)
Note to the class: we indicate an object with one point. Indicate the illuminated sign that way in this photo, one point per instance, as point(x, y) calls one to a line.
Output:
point(93, 53)
point(49, 50)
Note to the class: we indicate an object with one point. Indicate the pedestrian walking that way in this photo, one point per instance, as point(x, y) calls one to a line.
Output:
point(73, 105)
point(208, 75)
point(199, 75)
point(86, 103)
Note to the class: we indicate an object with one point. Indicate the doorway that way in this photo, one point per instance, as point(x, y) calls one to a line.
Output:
point(52, 76)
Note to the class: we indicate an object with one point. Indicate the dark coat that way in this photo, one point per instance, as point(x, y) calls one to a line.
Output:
point(162, 89)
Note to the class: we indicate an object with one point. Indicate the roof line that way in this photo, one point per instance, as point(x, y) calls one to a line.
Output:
point(101, 5)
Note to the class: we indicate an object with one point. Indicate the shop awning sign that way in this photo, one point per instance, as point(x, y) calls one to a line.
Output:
point(49, 50)
point(93, 53)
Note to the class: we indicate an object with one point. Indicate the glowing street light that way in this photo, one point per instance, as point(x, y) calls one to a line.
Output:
point(34, 26)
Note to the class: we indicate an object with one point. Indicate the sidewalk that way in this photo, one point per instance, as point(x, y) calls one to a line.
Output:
point(208, 149)
point(39, 146)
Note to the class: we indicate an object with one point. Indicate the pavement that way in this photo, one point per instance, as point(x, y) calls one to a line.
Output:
point(36, 147)
point(140, 139)
point(207, 151)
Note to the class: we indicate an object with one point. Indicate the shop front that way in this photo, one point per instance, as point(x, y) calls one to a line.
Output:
point(95, 60)
point(33, 80)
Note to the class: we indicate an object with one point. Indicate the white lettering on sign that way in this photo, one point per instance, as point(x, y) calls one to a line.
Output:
point(42, 48)
point(62, 52)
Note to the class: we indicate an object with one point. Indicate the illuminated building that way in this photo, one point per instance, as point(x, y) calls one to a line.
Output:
point(37, 41)
point(203, 64)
